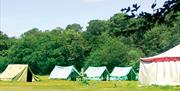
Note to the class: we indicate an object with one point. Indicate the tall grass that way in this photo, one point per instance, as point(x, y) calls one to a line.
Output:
point(61, 85)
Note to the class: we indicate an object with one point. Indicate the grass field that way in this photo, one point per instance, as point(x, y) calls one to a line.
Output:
point(61, 85)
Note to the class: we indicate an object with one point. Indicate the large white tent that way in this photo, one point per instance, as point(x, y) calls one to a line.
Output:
point(97, 73)
point(18, 72)
point(162, 69)
point(123, 73)
point(64, 72)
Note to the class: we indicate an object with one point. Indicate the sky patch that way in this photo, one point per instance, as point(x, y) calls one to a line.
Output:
point(93, 1)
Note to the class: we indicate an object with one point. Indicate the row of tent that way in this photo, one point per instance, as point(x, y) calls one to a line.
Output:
point(162, 69)
point(93, 73)
point(22, 72)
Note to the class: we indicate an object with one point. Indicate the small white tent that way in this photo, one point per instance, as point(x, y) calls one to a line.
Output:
point(97, 73)
point(64, 72)
point(123, 73)
point(163, 69)
point(18, 72)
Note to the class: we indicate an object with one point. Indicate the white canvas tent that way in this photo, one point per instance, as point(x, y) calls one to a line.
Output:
point(163, 69)
point(123, 73)
point(97, 73)
point(18, 72)
point(64, 72)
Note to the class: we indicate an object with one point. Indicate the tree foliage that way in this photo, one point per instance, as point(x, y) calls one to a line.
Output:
point(76, 27)
point(112, 52)
point(118, 41)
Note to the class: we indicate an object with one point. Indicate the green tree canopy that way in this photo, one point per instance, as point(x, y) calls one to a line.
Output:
point(76, 27)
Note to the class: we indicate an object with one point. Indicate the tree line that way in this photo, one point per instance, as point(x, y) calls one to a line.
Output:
point(118, 41)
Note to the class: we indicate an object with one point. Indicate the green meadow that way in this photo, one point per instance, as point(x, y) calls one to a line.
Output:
point(62, 85)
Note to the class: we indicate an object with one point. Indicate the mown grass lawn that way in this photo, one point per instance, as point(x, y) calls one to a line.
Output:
point(61, 85)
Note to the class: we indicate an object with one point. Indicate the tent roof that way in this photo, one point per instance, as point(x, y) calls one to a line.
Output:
point(121, 71)
point(18, 72)
point(62, 72)
point(95, 71)
point(12, 70)
point(172, 54)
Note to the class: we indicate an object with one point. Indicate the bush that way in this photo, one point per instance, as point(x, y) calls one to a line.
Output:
point(3, 63)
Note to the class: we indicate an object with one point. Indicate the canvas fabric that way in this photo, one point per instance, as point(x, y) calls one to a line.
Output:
point(122, 73)
point(97, 73)
point(162, 69)
point(63, 72)
point(159, 73)
point(17, 72)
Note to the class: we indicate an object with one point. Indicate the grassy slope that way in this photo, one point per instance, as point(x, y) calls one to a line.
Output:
point(61, 85)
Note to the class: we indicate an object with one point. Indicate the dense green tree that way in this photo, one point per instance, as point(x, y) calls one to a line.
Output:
point(97, 27)
point(43, 50)
point(118, 24)
point(156, 39)
point(112, 52)
point(57, 30)
point(5, 44)
point(76, 27)
point(3, 40)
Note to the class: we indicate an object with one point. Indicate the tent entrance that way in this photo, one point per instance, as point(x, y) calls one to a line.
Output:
point(29, 76)
point(105, 76)
point(72, 76)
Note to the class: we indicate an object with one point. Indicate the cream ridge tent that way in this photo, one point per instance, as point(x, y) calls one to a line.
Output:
point(64, 72)
point(162, 69)
point(18, 72)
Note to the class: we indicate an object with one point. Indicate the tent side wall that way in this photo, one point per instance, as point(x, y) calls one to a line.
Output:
point(159, 73)
point(147, 73)
point(161, 69)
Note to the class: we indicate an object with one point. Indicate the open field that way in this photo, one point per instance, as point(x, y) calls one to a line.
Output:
point(60, 85)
